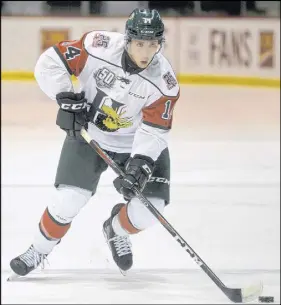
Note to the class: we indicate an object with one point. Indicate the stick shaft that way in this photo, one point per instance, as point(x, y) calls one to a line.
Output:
point(159, 216)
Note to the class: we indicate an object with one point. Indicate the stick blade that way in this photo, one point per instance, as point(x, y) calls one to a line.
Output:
point(251, 293)
point(244, 295)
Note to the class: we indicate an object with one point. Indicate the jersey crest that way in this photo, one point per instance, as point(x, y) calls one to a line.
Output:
point(109, 114)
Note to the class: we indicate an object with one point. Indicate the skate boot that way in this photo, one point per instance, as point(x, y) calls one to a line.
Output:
point(120, 246)
point(27, 262)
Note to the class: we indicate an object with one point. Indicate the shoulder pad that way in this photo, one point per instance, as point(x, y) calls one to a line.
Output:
point(160, 73)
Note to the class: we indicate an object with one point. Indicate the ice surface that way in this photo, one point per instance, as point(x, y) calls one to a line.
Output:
point(148, 286)
point(225, 202)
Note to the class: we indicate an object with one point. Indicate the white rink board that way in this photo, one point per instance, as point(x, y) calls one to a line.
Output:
point(30, 31)
point(228, 47)
point(204, 46)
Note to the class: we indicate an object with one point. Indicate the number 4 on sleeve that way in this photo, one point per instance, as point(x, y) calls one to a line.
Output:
point(73, 55)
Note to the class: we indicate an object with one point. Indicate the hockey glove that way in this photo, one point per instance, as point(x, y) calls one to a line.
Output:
point(138, 171)
point(72, 115)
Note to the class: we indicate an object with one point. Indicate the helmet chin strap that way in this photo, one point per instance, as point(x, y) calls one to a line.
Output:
point(161, 49)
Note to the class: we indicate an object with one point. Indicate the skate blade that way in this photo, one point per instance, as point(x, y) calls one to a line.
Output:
point(13, 277)
point(124, 273)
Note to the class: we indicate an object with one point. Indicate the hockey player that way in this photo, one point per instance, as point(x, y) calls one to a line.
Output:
point(128, 92)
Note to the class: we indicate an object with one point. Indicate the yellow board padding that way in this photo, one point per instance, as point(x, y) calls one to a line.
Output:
point(189, 79)
point(20, 76)
point(229, 80)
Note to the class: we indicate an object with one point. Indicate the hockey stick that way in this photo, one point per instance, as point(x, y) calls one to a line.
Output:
point(236, 295)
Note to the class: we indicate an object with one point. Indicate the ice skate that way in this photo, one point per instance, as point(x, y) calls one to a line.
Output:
point(120, 246)
point(26, 262)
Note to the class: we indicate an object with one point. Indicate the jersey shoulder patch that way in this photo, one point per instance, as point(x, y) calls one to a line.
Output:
point(103, 44)
point(168, 83)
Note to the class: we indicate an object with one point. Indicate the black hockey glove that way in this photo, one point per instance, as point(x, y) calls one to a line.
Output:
point(138, 171)
point(72, 115)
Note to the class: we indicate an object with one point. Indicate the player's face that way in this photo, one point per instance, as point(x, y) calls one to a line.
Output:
point(142, 51)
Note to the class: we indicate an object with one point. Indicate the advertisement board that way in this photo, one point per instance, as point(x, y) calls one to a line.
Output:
point(199, 49)
point(246, 48)
point(49, 37)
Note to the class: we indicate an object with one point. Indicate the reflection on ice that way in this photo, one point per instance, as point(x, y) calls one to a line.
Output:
point(139, 286)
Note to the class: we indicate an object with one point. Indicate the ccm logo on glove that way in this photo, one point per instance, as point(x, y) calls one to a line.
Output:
point(70, 101)
point(74, 107)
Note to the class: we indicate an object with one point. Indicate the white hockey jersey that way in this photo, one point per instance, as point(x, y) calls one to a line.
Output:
point(133, 113)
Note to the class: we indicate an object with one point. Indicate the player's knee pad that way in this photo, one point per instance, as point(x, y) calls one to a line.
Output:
point(67, 203)
point(139, 216)
point(57, 218)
